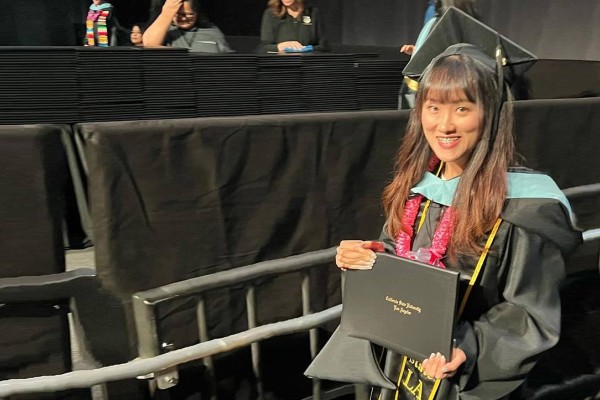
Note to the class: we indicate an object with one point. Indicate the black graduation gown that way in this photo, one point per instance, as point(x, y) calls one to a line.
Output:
point(513, 313)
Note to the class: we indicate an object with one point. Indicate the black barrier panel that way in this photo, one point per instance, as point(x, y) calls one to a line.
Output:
point(34, 336)
point(33, 178)
point(560, 137)
point(172, 200)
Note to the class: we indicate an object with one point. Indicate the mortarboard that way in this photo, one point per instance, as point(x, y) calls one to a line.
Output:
point(453, 34)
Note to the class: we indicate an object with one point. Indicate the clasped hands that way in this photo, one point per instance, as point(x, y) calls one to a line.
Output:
point(361, 255)
point(292, 44)
point(357, 254)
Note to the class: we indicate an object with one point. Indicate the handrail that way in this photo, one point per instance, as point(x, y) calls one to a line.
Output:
point(591, 234)
point(50, 287)
point(581, 191)
point(138, 367)
point(234, 276)
point(143, 304)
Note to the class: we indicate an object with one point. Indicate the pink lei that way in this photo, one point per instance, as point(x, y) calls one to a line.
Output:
point(441, 237)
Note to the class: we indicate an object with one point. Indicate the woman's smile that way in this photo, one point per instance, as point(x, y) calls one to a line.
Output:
point(448, 142)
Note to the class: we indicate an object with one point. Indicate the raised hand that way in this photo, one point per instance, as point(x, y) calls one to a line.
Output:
point(408, 49)
point(172, 6)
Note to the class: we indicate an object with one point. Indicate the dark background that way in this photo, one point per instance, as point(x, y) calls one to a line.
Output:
point(550, 28)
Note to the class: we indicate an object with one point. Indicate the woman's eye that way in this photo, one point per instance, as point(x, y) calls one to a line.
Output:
point(462, 109)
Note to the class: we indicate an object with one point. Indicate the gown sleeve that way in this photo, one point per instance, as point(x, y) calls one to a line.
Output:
point(388, 242)
point(507, 340)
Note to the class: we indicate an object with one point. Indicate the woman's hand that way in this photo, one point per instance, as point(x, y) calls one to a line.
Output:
point(436, 366)
point(172, 6)
point(408, 49)
point(357, 254)
point(292, 44)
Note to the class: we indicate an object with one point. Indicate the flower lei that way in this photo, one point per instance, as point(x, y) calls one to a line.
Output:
point(441, 237)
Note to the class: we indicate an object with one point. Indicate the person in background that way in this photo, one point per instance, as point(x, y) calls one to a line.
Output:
point(180, 24)
point(406, 97)
point(429, 11)
point(101, 25)
point(135, 35)
point(291, 25)
point(439, 7)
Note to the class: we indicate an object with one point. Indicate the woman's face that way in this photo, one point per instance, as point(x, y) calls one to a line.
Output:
point(288, 3)
point(136, 35)
point(186, 17)
point(452, 128)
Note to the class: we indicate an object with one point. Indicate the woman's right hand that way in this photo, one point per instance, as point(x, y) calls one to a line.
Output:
point(355, 254)
point(172, 6)
point(292, 44)
point(408, 49)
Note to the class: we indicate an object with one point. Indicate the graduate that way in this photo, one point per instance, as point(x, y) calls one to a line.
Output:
point(101, 25)
point(460, 200)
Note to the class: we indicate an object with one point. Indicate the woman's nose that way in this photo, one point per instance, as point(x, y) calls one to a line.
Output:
point(446, 122)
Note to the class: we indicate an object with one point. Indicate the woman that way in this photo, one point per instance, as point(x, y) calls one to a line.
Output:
point(407, 90)
point(180, 24)
point(135, 35)
point(456, 185)
point(439, 7)
point(290, 25)
point(101, 25)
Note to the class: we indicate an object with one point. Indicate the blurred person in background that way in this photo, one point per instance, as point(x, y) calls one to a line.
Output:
point(136, 33)
point(101, 26)
point(180, 24)
point(291, 25)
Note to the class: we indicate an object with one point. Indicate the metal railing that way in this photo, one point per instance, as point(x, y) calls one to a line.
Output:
point(162, 368)
point(140, 367)
point(145, 319)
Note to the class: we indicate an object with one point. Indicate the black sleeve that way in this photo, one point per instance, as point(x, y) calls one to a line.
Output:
point(504, 344)
point(319, 32)
point(388, 242)
point(267, 34)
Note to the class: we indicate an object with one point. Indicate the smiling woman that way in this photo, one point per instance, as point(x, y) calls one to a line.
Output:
point(451, 116)
point(483, 221)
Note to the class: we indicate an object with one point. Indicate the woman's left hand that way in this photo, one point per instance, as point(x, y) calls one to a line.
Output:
point(357, 254)
point(436, 366)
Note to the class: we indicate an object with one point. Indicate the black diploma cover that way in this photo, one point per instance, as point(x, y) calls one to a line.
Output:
point(403, 305)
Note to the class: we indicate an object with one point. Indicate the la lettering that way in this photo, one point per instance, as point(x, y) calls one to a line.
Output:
point(416, 390)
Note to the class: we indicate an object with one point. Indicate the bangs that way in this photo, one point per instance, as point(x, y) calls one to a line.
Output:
point(450, 80)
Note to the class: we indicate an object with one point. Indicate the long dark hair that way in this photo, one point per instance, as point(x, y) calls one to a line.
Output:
point(483, 185)
point(279, 10)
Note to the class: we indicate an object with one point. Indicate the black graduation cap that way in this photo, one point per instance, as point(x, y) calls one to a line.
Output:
point(456, 27)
